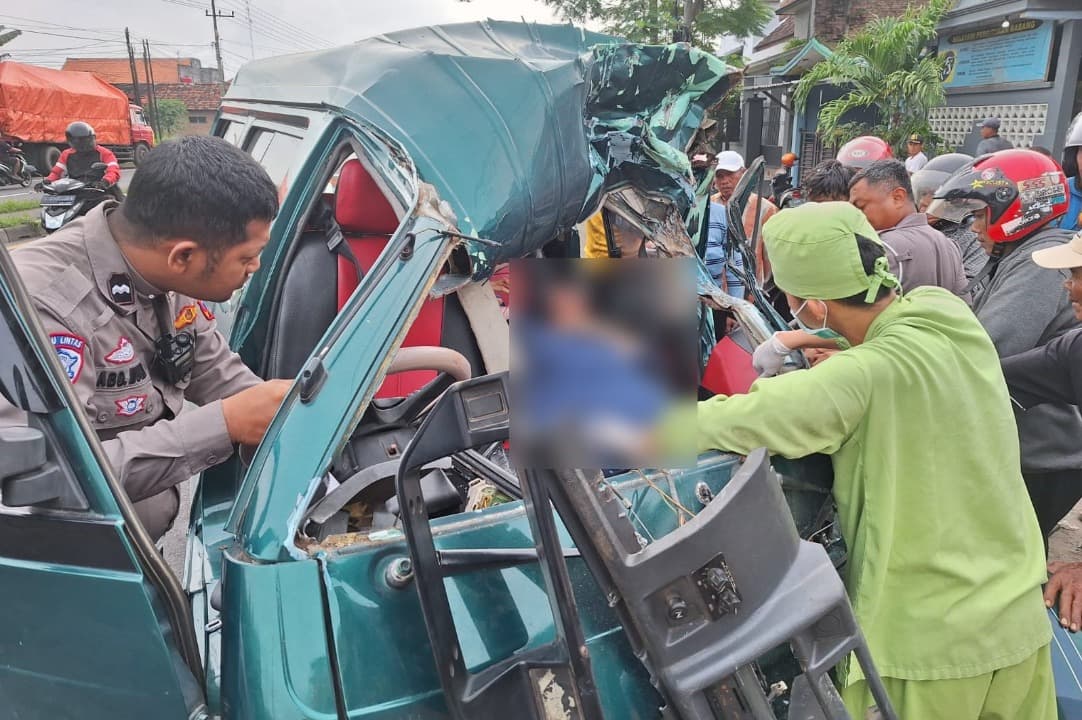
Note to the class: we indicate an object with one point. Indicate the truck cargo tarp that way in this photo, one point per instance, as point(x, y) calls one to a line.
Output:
point(36, 104)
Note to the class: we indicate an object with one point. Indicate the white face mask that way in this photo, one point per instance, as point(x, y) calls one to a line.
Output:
point(823, 332)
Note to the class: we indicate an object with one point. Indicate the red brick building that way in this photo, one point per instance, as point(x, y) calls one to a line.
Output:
point(183, 79)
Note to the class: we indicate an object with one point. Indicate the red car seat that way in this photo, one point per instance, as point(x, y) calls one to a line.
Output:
point(367, 222)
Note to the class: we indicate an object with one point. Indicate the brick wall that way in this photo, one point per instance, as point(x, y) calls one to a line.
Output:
point(834, 19)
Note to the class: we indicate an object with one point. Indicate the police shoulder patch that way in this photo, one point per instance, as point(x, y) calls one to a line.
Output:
point(185, 317)
point(70, 349)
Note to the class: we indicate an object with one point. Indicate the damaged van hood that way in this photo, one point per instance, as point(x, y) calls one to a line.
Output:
point(522, 128)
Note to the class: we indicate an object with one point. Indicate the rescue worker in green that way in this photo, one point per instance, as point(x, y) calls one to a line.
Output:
point(945, 556)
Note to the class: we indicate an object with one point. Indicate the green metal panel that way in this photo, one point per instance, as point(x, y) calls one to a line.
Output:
point(519, 127)
point(382, 647)
point(274, 649)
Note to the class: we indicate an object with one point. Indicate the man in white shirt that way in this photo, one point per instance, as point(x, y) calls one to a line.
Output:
point(917, 159)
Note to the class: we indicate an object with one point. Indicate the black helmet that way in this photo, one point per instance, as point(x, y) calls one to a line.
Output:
point(935, 172)
point(81, 137)
point(1071, 145)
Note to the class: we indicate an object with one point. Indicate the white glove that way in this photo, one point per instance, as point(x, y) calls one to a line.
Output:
point(770, 356)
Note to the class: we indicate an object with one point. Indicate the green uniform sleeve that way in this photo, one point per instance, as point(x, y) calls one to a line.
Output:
point(792, 415)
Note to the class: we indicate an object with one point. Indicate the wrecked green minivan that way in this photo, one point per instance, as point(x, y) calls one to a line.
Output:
point(378, 556)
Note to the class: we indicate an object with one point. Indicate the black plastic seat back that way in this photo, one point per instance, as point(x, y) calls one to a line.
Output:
point(306, 306)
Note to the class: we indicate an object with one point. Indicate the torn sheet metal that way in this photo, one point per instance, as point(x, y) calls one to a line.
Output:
point(521, 128)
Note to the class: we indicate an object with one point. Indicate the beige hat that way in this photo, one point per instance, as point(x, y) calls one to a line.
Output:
point(1068, 255)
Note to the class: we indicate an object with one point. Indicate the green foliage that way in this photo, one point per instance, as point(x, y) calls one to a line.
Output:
point(10, 206)
point(701, 22)
point(173, 115)
point(891, 66)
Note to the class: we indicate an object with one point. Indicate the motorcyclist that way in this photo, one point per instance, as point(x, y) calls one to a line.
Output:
point(925, 182)
point(83, 152)
point(861, 152)
point(1072, 159)
point(1015, 196)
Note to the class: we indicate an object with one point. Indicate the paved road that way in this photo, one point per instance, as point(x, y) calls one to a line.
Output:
point(14, 192)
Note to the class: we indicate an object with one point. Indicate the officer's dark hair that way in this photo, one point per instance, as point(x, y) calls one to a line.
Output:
point(828, 181)
point(870, 251)
point(200, 188)
point(887, 174)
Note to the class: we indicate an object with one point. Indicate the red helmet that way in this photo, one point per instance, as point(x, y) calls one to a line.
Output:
point(1021, 190)
point(789, 159)
point(861, 152)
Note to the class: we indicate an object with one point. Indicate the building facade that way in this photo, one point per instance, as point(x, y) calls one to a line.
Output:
point(1018, 60)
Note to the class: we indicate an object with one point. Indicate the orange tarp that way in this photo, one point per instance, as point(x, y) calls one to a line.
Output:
point(36, 104)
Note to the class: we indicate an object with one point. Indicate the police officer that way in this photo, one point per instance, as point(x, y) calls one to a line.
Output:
point(123, 295)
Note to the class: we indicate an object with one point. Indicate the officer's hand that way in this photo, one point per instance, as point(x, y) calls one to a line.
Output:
point(770, 356)
point(249, 412)
point(1066, 582)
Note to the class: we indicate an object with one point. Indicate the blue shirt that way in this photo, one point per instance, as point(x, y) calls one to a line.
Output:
point(718, 257)
point(1073, 219)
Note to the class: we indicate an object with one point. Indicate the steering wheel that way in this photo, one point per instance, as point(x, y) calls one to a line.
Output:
point(452, 365)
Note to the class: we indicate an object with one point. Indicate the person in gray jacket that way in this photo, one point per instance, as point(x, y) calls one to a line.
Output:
point(918, 253)
point(990, 139)
point(1014, 195)
point(925, 182)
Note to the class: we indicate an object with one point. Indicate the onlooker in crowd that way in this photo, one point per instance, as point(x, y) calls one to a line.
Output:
point(1053, 374)
point(862, 151)
point(1072, 160)
point(730, 168)
point(942, 544)
point(828, 182)
point(925, 182)
point(917, 159)
point(918, 253)
point(1014, 195)
point(991, 141)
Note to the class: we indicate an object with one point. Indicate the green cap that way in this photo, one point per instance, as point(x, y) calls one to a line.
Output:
point(813, 251)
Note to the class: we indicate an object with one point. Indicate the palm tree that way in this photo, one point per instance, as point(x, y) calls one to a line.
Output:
point(891, 66)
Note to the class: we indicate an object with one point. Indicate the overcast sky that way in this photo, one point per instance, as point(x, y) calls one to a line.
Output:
point(95, 28)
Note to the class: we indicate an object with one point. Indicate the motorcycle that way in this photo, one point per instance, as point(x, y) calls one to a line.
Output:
point(15, 170)
point(69, 198)
point(785, 195)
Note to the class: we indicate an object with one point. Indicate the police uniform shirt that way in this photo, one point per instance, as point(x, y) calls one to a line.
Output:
point(99, 315)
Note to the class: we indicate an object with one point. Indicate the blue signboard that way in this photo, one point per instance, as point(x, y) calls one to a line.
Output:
point(990, 56)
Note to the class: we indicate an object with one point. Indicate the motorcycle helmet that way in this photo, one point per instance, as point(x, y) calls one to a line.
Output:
point(788, 160)
point(1020, 190)
point(861, 152)
point(81, 137)
point(1071, 146)
point(936, 172)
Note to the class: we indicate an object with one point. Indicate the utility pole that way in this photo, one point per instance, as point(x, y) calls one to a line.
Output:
point(134, 72)
point(251, 37)
point(152, 96)
point(213, 14)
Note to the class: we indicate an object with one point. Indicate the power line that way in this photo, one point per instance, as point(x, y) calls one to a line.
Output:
point(49, 24)
point(272, 25)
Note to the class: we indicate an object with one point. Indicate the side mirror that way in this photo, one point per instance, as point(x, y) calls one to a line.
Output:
point(29, 477)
